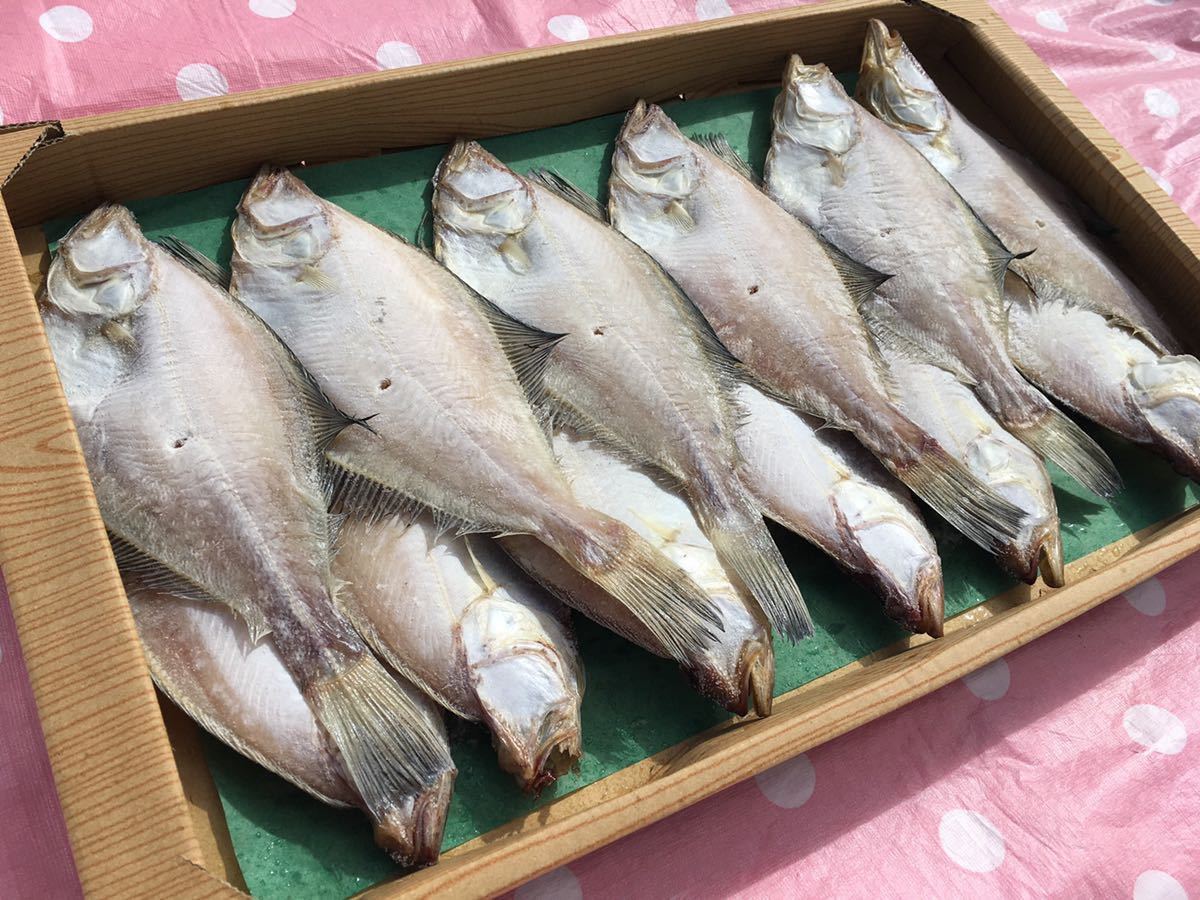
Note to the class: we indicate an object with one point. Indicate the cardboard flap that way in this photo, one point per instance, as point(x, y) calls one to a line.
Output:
point(19, 142)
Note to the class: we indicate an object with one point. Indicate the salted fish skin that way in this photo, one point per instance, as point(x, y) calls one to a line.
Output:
point(203, 457)
point(1104, 375)
point(636, 364)
point(867, 191)
point(783, 302)
point(452, 426)
point(738, 670)
point(824, 486)
point(458, 617)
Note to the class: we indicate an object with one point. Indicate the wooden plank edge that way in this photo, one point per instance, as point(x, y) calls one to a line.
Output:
point(116, 780)
point(810, 715)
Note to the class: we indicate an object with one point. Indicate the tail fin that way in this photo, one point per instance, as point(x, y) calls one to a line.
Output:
point(959, 497)
point(681, 617)
point(745, 546)
point(1057, 438)
point(395, 753)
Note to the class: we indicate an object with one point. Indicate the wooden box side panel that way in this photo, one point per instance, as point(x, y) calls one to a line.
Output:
point(112, 763)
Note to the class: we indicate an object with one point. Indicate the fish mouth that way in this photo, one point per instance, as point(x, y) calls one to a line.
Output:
point(540, 755)
point(749, 688)
point(1050, 560)
point(412, 833)
point(919, 607)
point(881, 47)
point(1040, 553)
point(796, 72)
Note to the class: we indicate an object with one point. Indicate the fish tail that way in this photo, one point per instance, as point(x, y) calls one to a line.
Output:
point(394, 751)
point(1056, 438)
point(959, 497)
point(680, 616)
point(743, 543)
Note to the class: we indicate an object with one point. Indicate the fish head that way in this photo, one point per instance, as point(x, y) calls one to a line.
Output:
point(1017, 475)
point(104, 266)
point(280, 221)
point(475, 193)
point(896, 89)
point(894, 553)
point(655, 172)
point(814, 110)
point(529, 684)
point(652, 156)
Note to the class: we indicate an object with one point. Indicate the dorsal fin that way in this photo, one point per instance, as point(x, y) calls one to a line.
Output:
point(156, 575)
point(328, 421)
point(558, 185)
point(897, 336)
point(718, 145)
point(860, 279)
point(528, 349)
point(999, 257)
point(206, 268)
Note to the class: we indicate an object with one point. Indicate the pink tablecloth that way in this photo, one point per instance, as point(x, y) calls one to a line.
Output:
point(1065, 770)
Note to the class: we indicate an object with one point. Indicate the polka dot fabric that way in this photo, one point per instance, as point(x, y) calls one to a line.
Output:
point(1069, 768)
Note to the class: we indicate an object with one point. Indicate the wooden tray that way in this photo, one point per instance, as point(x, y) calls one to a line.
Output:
point(138, 801)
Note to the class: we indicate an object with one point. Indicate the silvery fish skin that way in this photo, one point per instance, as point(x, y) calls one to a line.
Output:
point(862, 187)
point(1078, 327)
point(460, 619)
point(200, 434)
point(452, 429)
point(821, 484)
point(738, 670)
point(637, 365)
point(784, 303)
point(202, 657)
point(953, 414)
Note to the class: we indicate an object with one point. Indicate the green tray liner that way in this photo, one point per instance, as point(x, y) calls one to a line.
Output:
point(289, 845)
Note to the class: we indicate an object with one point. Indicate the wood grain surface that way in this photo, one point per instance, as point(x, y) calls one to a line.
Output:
point(120, 791)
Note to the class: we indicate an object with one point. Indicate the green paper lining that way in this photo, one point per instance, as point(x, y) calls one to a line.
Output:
point(290, 845)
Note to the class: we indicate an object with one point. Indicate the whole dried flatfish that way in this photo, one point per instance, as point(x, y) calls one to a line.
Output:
point(1076, 325)
point(390, 332)
point(203, 439)
point(637, 365)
